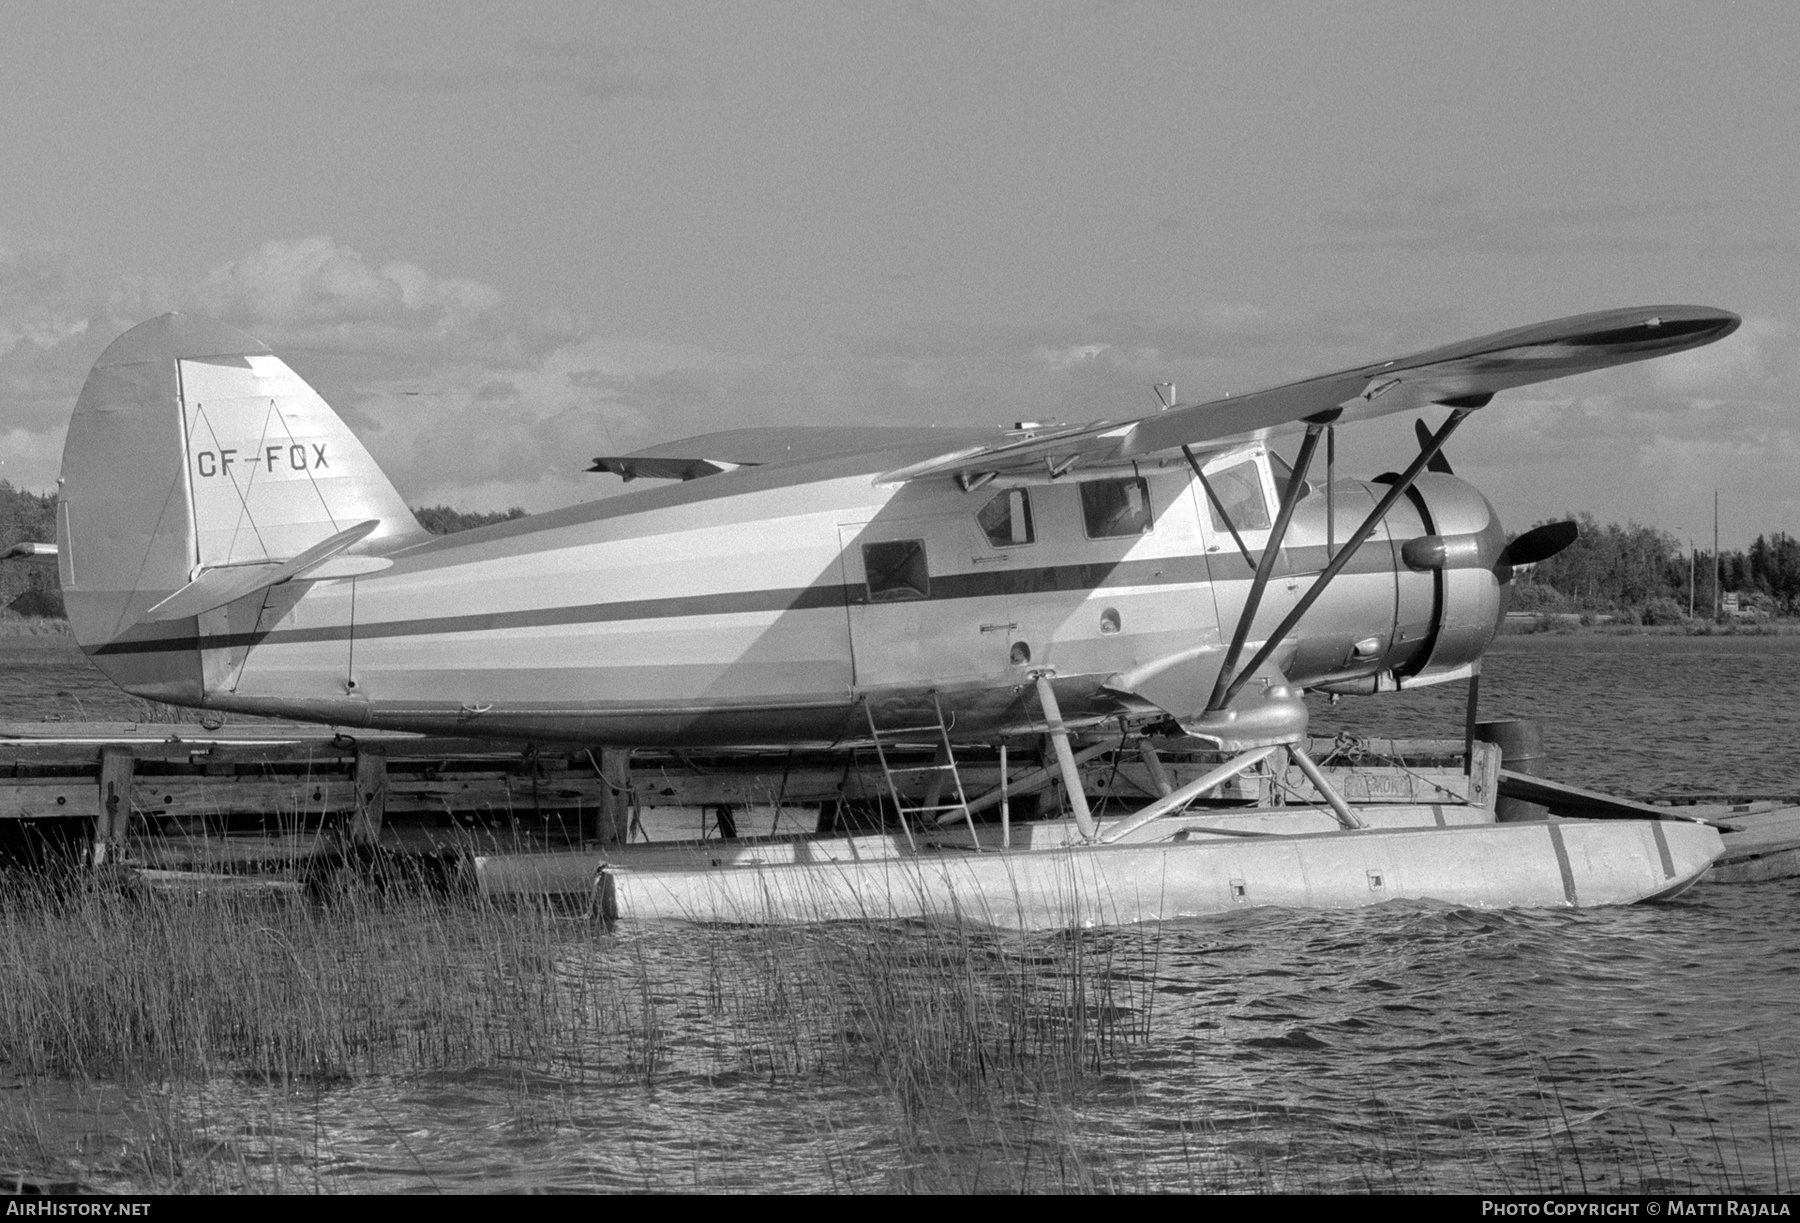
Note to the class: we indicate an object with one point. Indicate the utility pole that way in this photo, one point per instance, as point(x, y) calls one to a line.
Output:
point(1718, 597)
point(1693, 558)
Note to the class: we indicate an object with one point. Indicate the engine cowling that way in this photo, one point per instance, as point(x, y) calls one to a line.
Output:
point(1443, 542)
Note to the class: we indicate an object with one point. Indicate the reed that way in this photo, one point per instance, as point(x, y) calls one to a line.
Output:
point(160, 997)
point(215, 1043)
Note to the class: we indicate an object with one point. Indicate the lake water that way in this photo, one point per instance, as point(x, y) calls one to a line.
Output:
point(1403, 1046)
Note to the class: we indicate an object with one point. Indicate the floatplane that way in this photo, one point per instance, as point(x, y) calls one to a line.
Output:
point(225, 542)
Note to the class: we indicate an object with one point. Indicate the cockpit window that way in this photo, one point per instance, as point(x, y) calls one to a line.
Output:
point(896, 570)
point(1115, 507)
point(1283, 471)
point(1240, 491)
point(1006, 520)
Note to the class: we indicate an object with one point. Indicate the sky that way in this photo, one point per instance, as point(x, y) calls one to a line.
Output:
point(503, 239)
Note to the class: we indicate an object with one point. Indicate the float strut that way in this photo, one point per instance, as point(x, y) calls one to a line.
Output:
point(1024, 783)
point(1159, 777)
point(1065, 756)
point(1339, 808)
point(1175, 800)
point(1005, 803)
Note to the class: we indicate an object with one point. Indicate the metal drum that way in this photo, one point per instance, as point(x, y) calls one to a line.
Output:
point(1521, 744)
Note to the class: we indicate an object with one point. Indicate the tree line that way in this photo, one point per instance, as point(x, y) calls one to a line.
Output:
point(25, 517)
point(1645, 574)
point(1633, 571)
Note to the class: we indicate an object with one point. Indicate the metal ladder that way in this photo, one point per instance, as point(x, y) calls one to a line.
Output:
point(931, 812)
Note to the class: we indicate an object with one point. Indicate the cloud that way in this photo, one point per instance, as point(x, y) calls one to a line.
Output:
point(1754, 360)
point(1455, 216)
point(1652, 441)
point(583, 67)
point(311, 282)
point(465, 401)
point(38, 305)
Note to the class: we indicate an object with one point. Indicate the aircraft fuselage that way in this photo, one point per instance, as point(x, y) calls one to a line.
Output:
point(763, 606)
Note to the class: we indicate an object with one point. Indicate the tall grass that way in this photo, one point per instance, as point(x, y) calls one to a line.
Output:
point(217, 1043)
point(161, 997)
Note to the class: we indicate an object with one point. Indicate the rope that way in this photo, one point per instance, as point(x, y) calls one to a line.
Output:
point(1356, 749)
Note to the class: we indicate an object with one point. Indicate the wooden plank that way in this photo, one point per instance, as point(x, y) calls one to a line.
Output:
point(1757, 868)
point(52, 798)
point(412, 793)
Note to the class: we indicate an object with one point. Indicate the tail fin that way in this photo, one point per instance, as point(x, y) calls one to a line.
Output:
point(194, 448)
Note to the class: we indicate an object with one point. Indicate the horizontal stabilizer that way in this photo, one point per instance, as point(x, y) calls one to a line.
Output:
point(227, 584)
point(29, 552)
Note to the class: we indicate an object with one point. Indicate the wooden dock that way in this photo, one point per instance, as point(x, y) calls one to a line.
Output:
point(267, 799)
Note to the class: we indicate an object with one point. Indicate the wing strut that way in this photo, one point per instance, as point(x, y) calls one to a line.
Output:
point(1213, 496)
point(1224, 692)
point(1290, 497)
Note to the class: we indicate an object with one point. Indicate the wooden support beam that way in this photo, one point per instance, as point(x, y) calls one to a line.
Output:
point(371, 797)
point(113, 815)
point(612, 824)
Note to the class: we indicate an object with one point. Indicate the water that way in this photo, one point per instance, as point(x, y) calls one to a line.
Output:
point(1405, 1046)
point(1638, 714)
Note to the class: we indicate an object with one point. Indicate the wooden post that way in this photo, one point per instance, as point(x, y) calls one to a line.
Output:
point(613, 825)
point(371, 796)
point(113, 816)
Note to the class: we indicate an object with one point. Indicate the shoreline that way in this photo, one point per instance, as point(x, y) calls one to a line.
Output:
point(55, 636)
point(1599, 639)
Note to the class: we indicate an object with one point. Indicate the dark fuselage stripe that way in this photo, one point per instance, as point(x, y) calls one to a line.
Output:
point(1049, 579)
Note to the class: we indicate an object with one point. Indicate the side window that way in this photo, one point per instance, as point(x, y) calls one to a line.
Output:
point(1006, 520)
point(1241, 493)
point(896, 570)
point(1115, 507)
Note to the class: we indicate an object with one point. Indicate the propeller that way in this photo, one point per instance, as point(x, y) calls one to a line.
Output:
point(1539, 544)
point(1437, 461)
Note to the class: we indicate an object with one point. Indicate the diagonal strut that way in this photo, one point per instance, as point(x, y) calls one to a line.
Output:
point(1393, 494)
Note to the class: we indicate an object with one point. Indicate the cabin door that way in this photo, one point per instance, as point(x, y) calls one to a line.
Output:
point(1248, 493)
point(916, 613)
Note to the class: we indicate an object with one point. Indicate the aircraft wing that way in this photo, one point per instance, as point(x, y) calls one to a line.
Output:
point(712, 453)
point(1457, 375)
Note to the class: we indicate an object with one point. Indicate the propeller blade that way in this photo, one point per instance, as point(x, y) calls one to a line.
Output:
point(1540, 543)
point(1438, 462)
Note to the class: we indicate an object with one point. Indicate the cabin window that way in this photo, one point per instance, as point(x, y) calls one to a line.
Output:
point(1240, 491)
point(1006, 520)
point(1115, 507)
point(896, 570)
point(1283, 471)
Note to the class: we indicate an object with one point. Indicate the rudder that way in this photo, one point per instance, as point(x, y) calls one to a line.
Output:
point(193, 448)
